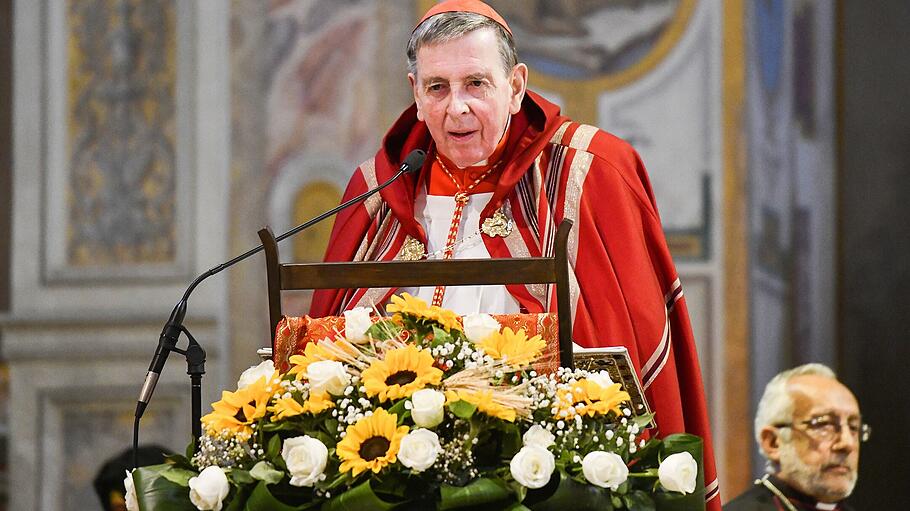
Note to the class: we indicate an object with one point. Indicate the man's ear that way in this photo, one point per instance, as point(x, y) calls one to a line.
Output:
point(769, 441)
point(519, 84)
point(413, 81)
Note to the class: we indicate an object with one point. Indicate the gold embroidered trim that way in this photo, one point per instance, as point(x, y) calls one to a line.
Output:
point(497, 225)
point(412, 250)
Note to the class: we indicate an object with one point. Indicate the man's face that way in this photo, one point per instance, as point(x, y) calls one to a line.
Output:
point(465, 96)
point(819, 459)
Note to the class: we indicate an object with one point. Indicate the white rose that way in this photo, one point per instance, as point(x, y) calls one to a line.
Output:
point(305, 458)
point(327, 376)
point(478, 327)
point(264, 370)
point(532, 466)
point(356, 323)
point(601, 378)
point(604, 469)
point(419, 449)
point(677, 472)
point(132, 504)
point(427, 407)
point(209, 488)
point(538, 436)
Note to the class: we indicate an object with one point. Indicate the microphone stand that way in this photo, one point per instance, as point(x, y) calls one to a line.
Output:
point(194, 353)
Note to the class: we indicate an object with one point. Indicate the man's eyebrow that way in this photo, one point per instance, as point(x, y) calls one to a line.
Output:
point(434, 79)
point(477, 76)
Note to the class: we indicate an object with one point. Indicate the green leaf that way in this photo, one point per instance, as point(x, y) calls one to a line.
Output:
point(264, 471)
point(262, 500)
point(570, 495)
point(359, 498)
point(284, 425)
point(179, 476)
point(483, 491)
point(236, 501)
point(274, 448)
point(383, 329)
point(179, 461)
point(240, 476)
point(638, 501)
point(330, 427)
point(400, 410)
point(511, 440)
point(462, 409)
point(440, 336)
point(156, 493)
point(643, 420)
point(191, 449)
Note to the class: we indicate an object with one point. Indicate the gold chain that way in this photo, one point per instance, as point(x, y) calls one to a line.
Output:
point(461, 198)
point(462, 195)
point(773, 489)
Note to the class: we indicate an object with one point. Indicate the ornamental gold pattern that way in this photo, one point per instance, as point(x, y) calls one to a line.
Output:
point(412, 250)
point(497, 225)
point(121, 132)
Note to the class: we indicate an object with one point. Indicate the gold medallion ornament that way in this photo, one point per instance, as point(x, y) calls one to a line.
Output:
point(412, 250)
point(497, 225)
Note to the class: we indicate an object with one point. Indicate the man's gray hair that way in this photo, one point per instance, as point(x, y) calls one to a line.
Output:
point(776, 404)
point(448, 26)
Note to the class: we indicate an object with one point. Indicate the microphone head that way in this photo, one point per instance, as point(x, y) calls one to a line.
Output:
point(413, 161)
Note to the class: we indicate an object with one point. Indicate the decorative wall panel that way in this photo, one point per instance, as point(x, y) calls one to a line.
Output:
point(315, 86)
point(94, 431)
point(115, 151)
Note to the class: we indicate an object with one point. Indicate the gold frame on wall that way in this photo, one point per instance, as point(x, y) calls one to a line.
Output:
point(736, 419)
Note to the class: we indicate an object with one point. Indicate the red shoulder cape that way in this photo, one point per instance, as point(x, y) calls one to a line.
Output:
point(625, 289)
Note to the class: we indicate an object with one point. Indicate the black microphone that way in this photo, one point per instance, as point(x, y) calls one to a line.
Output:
point(174, 326)
point(413, 161)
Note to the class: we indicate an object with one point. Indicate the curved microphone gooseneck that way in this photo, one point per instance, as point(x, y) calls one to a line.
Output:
point(195, 355)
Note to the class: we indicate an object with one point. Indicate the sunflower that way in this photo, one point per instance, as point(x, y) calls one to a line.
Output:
point(237, 411)
point(313, 352)
point(413, 306)
point(513, 347)
point(371, 443)
point(484, 401)
point(318, 402)
point(400, 373)
point(285, 407)
point(586, 397)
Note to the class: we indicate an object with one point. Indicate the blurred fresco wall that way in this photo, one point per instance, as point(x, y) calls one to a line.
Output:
point(151, 139)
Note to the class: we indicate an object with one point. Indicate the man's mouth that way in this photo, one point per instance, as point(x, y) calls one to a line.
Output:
point(462, 135)
point(838, 469)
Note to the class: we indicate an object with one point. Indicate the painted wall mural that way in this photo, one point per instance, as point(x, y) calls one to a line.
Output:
point(122, 132)
point(315, 85)
point(791, 189)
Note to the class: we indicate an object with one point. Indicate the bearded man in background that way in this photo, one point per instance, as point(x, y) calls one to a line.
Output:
point(808, 428)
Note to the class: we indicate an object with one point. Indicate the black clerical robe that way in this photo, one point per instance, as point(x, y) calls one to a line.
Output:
point(760, 498)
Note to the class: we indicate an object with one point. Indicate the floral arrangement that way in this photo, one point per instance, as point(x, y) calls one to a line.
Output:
point(423, 410)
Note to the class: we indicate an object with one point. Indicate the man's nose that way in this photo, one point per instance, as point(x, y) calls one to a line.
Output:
point(845, 439)
point(458, 103)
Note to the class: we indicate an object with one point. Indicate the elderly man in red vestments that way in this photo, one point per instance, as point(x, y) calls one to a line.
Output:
point(503, 169)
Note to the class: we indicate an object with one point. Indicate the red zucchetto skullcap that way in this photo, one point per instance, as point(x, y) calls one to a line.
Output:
point(475, 6)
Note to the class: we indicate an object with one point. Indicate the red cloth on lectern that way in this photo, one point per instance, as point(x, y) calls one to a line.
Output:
point(624, 287)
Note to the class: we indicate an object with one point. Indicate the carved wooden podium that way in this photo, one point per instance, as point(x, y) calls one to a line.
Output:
point(451, 272)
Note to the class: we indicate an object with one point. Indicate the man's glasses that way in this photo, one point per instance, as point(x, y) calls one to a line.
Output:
point(826, 428)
